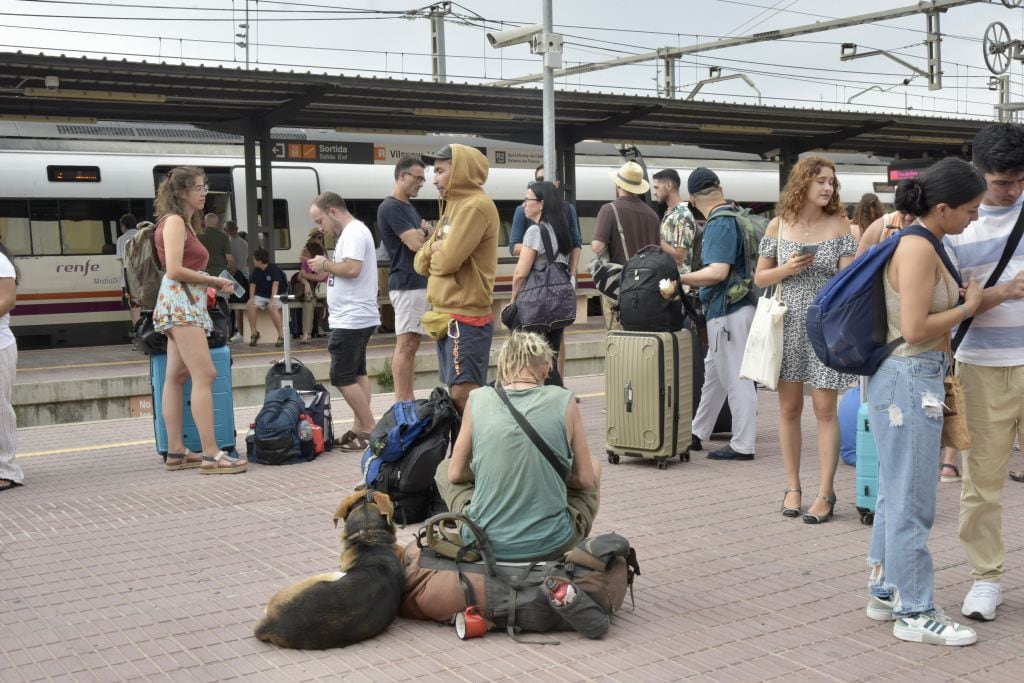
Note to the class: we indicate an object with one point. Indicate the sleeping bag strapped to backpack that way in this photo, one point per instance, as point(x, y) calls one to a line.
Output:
point(276, 430)
point(406, 446)
point(847, 323)
point(642, 308)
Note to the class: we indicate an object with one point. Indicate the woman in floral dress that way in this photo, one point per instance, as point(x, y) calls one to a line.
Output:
point(807, 243)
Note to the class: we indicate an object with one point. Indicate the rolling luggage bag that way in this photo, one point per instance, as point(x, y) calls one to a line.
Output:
point(288, 372)
point(867, 464)
point(223, 404)
point(648, 385)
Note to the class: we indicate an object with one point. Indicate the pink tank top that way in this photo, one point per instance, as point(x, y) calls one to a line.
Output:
point(195, 256)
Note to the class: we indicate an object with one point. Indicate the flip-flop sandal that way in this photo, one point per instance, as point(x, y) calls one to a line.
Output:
point(1017, 476)
point(950, 478)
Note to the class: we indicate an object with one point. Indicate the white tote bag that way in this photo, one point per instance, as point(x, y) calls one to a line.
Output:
point(762, 356)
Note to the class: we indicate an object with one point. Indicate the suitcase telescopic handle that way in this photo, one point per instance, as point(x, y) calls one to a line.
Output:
point(286, 329)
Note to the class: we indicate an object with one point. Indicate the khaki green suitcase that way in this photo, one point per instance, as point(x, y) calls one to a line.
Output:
point(648, 390)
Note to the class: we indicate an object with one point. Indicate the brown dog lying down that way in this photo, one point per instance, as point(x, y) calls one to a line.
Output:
point(360, 601)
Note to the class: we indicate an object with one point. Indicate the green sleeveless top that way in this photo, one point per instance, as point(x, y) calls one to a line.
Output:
point(519, 499)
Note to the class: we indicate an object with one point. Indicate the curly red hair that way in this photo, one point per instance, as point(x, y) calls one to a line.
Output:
point(794, 195)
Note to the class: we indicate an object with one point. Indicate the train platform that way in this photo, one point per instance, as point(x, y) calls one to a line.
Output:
point(112, 569)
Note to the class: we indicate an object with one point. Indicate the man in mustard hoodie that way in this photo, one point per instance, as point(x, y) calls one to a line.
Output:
point(460, 259)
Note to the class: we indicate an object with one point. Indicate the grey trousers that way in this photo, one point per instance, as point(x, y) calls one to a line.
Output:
point(9, 468)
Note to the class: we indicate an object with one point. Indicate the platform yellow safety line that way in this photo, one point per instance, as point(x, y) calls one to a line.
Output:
point(143, 442)
point(79, 449)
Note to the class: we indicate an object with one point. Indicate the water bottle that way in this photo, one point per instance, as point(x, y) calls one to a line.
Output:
point(306, 437)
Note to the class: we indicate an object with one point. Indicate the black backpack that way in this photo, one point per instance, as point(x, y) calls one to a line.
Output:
point(642, 308)
point(406, 446)
point(276, 431)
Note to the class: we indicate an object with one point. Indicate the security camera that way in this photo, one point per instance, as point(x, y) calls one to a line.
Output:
point(515, 36)
point(51, 83)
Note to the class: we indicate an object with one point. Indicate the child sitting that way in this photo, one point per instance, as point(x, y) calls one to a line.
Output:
point(266, 283)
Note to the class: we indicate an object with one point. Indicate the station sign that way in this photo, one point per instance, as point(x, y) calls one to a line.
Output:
point(332, 152)
point(140, 406)
point(515, 158)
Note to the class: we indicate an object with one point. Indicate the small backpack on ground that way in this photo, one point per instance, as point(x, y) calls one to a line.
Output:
point(847, 322)
point(142, 270)
point(642, 308)
point(752, 228)
point(276, 430)
point(406, 446)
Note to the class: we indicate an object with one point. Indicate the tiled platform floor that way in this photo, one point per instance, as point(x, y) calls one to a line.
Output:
point(112, 569)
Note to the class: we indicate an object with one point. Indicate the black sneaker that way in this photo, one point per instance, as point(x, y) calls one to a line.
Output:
point(695, 444)
point(728, 453)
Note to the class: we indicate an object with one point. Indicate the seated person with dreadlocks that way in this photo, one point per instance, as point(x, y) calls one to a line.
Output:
point(531, 505)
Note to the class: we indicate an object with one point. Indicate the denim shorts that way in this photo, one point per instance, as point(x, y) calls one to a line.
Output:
point(463, 356)
point(348, 354)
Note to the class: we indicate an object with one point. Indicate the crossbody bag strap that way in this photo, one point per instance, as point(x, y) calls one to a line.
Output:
point(622, 236)
point(1011, 246)
point(539, 442)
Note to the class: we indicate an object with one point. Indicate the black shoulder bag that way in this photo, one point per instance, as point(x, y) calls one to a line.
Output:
point(1011, 246)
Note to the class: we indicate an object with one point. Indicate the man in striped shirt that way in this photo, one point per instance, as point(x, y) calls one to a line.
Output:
point(991, 360)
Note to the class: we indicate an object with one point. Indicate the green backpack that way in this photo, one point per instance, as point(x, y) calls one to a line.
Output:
point(752, 228)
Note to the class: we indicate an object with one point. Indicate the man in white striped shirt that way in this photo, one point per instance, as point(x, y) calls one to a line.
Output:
point(991, 360)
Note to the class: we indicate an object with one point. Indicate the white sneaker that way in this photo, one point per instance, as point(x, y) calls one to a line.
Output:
point(933, 629)
point(982, 600)
point(880, 609)
point(235, 338)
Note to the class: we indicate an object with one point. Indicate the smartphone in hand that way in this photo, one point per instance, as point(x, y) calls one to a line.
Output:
point(807, 249)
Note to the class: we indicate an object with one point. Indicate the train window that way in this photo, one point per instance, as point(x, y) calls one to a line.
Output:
point(84, 225)
point(14, 226)
point(45, 226)
point(73, 174)
point(282, 236)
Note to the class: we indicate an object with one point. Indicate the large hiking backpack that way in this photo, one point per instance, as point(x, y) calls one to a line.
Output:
point(642, 308)
point(142, 270)
point(406, 446)
point(276, 430)
point(751, 228)
point(847, 322)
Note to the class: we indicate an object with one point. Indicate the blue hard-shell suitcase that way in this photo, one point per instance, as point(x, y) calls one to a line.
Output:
point(867, 467)
point(223, 404)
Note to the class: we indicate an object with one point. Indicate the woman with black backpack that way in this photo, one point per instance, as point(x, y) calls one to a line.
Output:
point(544, 207)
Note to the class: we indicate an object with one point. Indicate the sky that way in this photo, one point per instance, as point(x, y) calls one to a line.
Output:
point(392, 39)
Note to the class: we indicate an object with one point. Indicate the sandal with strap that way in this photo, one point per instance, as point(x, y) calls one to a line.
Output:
point(790, 512)
point(254, 339)
point(182, 461)
point(212, 464)
point(949, 478)
point(354, 442)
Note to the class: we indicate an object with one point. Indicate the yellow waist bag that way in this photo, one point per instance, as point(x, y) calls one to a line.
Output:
point(435, 324)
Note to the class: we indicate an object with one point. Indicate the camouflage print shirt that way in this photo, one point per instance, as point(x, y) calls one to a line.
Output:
point(677, 228)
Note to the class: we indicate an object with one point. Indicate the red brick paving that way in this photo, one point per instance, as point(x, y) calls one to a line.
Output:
point(112, 569)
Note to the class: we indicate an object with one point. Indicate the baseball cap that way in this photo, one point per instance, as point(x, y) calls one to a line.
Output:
point(444, 154)
point(701, 179)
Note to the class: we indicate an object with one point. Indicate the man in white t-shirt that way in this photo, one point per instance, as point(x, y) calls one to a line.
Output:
point(990, 360)
point(351, 307)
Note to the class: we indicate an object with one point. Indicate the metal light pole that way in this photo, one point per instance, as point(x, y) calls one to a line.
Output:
point(550, 45)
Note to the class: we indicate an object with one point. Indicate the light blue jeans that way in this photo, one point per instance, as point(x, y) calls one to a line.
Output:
point(905, 399)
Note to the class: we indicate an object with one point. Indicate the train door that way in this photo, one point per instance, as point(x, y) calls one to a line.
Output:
point(294, 191)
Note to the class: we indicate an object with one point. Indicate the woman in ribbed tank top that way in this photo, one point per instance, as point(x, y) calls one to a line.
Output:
point(905, 398)
point(181, 314)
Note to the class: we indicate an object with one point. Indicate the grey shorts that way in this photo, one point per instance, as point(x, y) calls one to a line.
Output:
point(463, 356)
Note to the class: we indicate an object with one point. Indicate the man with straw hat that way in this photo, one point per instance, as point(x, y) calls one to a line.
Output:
point(625, 225)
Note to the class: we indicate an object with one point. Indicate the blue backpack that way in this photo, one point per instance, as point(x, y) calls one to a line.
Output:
point(406, 446)
point(846, 323)
point(276, 431)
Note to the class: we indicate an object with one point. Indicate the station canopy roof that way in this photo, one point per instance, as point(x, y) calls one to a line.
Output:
point(226, 99)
